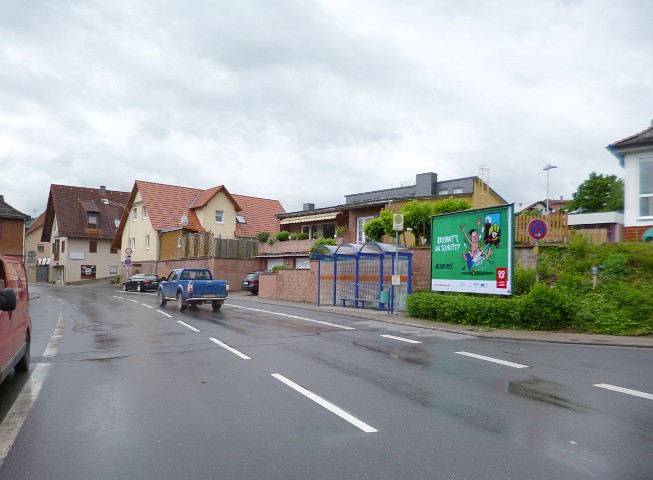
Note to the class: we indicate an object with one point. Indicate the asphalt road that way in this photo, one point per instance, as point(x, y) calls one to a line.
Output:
point(121, 388)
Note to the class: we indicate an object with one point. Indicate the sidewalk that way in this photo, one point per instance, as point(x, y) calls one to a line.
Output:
point(402, 319)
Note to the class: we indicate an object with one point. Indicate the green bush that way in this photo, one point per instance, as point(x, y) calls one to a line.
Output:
point(621, 303)
point(283, 236)
point(276, 268)
point(263, 236)
point(321, 241)
point(299, 236)
point(544, 308)
point(524, 280)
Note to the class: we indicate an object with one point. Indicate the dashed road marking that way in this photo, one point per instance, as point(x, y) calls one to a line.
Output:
point(493, 360)
point(231, 349)
point(294, 316)
point(628, 391)
point(190, 327)
point(401, 339)
point(326, 404)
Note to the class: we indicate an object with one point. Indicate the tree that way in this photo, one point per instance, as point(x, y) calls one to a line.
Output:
point(599, 193)
point(417, 217)
point(377, 227)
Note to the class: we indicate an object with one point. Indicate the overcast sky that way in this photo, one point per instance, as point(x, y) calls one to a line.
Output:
point(308, 101)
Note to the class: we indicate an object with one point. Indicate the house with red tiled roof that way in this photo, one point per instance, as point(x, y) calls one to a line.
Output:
point(80, 225)
point(37, 262)
point(158, 216)
point(12, 229)
point(635, 155)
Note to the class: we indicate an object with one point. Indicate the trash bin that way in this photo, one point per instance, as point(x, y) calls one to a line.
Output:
point(384, 298)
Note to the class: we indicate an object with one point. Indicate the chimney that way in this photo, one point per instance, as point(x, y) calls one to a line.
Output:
point(309, 206)
point(103, 193)
point(2, 199)
point(426, 184)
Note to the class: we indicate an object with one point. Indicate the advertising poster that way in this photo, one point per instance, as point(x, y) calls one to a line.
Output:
point(472, 251)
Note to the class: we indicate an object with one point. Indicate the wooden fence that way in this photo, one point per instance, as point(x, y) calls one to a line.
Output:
point(204, 245)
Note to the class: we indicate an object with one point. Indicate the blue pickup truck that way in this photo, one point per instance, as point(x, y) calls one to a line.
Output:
point(192, 286)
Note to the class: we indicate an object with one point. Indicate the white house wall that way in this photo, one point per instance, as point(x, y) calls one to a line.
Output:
point(206, 216)
point(139, 229)
point(77, 254)
point(631, 190)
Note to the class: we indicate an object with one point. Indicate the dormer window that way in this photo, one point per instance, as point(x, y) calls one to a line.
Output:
point(92, 219)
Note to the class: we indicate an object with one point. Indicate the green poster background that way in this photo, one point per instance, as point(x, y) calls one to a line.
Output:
point(472, 251)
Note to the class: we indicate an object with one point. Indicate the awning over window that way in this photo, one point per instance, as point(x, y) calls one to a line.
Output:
point(310, 218)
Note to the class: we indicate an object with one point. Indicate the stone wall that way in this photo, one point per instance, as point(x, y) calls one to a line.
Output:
point(293, 285)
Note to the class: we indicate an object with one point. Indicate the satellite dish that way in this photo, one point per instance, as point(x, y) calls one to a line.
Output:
point(184, 220)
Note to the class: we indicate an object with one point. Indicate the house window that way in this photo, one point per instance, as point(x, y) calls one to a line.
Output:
point(321, 230)
point(240, 219)
point(92, 246)
point(458, 190)
point(219, 216)
point(360, 228)
point(41, 248)
point(63, 246)
point(134, 214)
point(147, 242)
point(92, 220)
point(144, 212)
point(132, 243)
point(443, 192)
point(646, 187)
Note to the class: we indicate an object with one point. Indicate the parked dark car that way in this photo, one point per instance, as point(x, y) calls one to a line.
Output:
point(250, 283)
point(141, 283)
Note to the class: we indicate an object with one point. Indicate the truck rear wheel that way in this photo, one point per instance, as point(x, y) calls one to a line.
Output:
point(162, 299)
point(181, 305)
point(216, 304)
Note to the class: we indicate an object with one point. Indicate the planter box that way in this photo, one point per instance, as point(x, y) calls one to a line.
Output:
point(289, 246)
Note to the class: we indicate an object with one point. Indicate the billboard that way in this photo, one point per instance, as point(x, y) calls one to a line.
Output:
point(472, 251)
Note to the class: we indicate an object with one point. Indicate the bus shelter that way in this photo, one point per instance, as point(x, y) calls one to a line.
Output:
point(361, 275)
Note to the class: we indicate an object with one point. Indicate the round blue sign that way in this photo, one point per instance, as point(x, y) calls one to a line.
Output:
point(537, 229)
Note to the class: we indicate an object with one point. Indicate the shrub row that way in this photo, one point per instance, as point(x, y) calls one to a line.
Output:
point(629, 312)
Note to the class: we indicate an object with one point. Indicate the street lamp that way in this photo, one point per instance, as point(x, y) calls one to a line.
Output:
point(547, 168)
point(106, 201)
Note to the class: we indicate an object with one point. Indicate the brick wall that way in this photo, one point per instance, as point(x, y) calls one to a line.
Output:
point(293, 285)
point(230, 269)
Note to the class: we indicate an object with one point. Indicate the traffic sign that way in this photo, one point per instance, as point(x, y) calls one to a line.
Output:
point(128, 251)
point(398, 222)
point(537, 229)
point(128, 262)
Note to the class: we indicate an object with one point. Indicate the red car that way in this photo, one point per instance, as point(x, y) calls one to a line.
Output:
point(15, 323)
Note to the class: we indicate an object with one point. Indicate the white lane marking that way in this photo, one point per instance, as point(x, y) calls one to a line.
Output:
point(164, 313)
point(146, 305)
point(401, 339)
point(133, 301)
point(13, 421)
point(625, 390)
point(324, 403)
point(188, 326)
point(294, 316)
point(55, 340)
point(231, 349)
point(494, 360)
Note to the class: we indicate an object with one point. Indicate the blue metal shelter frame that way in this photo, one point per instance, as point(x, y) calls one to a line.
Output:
point(361, 274)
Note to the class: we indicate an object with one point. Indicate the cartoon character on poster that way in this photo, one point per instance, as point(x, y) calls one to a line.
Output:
point(479, 252)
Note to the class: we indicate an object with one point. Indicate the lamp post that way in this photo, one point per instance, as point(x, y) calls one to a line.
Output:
point(547, 168)
point(106, 201)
